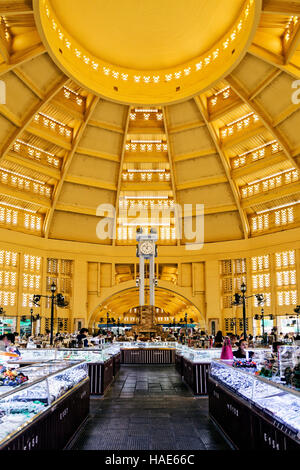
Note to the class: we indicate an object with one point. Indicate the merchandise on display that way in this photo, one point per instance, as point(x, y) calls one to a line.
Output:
point(47, 382)
point(273, 398)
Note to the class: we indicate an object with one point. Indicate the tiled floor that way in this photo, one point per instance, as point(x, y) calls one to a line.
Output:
point(148, 407)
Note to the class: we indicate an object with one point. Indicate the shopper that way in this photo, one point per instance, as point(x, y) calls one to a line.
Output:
point(218, 343)
point(82, 338)
point(241, 352)
point(8, 341)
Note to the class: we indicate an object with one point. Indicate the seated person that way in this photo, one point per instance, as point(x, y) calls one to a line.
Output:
point(241, 351)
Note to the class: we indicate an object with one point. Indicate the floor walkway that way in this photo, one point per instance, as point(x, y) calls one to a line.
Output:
point(149, 408)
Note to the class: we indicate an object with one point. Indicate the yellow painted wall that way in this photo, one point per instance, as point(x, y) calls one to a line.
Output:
point(198, 272)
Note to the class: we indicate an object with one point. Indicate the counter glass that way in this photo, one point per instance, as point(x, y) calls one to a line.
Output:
point(20, 405)
point(273, 398)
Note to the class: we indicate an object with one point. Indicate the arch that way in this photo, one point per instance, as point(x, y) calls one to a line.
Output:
point(165, 294)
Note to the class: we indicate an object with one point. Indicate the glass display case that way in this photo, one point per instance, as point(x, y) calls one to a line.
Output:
point(288, 358)
point(81, 354)
point(86, 355)
point(273, 399)
point(200, 355)
point(146, 344)
point(21, 405)
point(35, 355)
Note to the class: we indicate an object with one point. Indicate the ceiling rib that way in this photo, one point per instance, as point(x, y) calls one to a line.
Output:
point(17, 59)
point(120, 177)
point(253, 104)
point(19, 7)
point(244, 219)
point(18, 133)
point(68, 161)
point(172, 171)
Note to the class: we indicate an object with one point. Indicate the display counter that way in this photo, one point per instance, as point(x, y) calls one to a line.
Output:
point(103, 364)
point(254, 412)
point(193, 366)
point(46, 411)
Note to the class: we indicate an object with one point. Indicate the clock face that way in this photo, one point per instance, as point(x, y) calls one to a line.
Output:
point(146, 248)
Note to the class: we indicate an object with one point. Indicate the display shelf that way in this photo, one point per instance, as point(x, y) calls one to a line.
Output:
point(272, 408)
point(27, 409)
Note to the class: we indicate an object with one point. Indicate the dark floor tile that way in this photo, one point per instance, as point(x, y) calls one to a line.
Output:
point(148, 408)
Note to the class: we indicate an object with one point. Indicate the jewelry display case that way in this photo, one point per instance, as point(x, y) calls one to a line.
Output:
point(193, 365)
point(253, 411)
point(103, 364)
point(288, 358)
point(33, 415)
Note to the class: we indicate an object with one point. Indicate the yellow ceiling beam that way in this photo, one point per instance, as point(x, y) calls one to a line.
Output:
point(225, 109)
point(157, 131)
point(202, 182)
point(18, 58)
point(269, 79)
point(209, 210)
point(166, 121)
point(285, 114)
point(90, 182)
point(281, 7)
point(107, 126)
point(257, 108)
point(65, 108)
point(8, 114)
point(146, 185)
point(49, 136)
point(16, 7)
point(67, 163)
point(242, 136)
point(119, 184)
point(33, 165)
point(258, 165)
point(147, 157)
point(185, 127)
point(74, 208)
point(198, 154)
point(28, 82)
point(292, 47)
point(96, 154)
point(225, 163)
point(4, 45)
point(25, 196)
point(293, 68)
point(27, 121)
point(276, 193)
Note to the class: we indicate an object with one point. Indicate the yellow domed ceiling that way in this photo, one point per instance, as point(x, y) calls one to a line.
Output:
point(147, 52)
point(232, 144)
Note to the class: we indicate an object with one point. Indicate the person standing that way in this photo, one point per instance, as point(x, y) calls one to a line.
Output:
point(82, 338)
point(218, 343)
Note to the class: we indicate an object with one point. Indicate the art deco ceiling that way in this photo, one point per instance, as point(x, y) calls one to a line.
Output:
point(124, 304)
point(234, 146)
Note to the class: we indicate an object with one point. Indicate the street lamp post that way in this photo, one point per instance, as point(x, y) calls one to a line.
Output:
point(262, 318)
point(52, 298)
point(57, 299)
point(241, 300)
point(243, 290)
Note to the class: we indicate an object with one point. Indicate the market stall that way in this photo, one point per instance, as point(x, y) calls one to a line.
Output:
point(47, 409)
point(255, 408)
